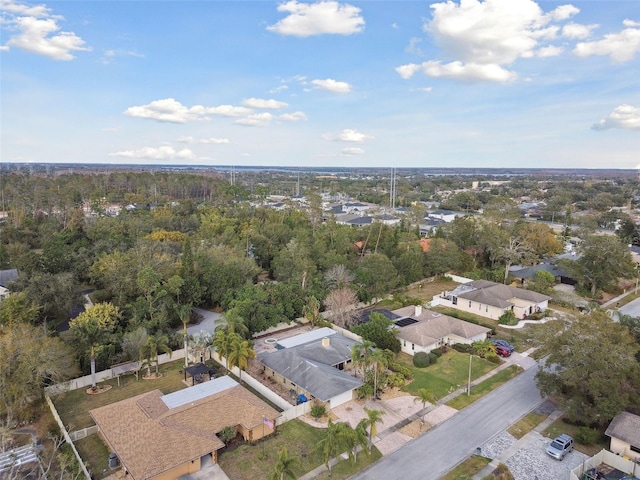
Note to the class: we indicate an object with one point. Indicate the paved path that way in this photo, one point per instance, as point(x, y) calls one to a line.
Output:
point(208, 323)
point(431, 455)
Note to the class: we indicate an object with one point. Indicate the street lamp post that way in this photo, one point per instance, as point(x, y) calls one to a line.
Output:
point(469, 384)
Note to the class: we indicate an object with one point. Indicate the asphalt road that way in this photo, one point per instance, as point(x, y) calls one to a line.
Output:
point(431, 455)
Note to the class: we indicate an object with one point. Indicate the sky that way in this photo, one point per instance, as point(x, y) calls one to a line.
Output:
point(468, 83)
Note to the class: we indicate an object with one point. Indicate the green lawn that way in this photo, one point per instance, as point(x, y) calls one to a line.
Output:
point(95, 455)
point(448, 374)
point(526, 424)
point(73, 407)
point(255, 462)
point(468, 468)
point(485, 387)
point(559, 426)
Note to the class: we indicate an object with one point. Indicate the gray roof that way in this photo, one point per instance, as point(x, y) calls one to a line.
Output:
point(530, 272)
point(199, 391)
point(496, 294)
point(8, 276)
point(306, 337)
point(625, 427)
point(311, 366)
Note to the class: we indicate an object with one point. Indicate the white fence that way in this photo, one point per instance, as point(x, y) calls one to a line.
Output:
point(83, 433)
point(66, 436)
point(608, 458)
point(85, 382)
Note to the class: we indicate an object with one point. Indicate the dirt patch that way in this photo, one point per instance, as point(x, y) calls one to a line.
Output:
point(415, 428)
point(390, 393)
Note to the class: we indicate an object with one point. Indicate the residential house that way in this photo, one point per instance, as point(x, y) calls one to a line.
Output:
point(388, 219)
point(6, 277)
point(528, 274)
point(313, 364)
point(492, 300)
point(624, 431)
point(163, 437)
point(446, 215)
point(422, 330)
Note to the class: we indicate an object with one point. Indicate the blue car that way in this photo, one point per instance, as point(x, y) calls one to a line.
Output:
point(503, 343)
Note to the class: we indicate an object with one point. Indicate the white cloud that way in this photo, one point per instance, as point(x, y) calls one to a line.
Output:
point(325, 17)
point(165, 152)
point(263, 103)
point(482, 38)
point(109, 55)
point(625, 117)
point(563, 12)
point(170, 110)
point(577, 30)
point(630, 23)
point(413, 46)
point(349, 151)
point(228, 111)
point(550, 51)
point(204, 141)
point(422, 89)
point(293, 117)
point(11, 7)
point(279, 89)
point(42, 36)
point(407, 71)
point(350, 135)
point(471, 72)
point(256, 120)
point(331, 85)
point(621, 46)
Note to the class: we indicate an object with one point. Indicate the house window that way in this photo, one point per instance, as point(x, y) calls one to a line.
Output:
point(413, 346)
point(634, 449)
point(486, 308)
point(469, 303)
point(455, 300)
point(404, 343)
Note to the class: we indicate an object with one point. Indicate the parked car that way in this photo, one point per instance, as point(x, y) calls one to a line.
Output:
point(560, 446)
point(503, 351)
point(503, 343)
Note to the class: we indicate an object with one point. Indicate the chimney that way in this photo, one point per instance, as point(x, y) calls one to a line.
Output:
point(418, 311)
point(326, 342)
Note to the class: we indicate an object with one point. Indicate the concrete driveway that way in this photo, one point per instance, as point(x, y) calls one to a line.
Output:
point(632, 308)
point(208, 323)
point(438, 450)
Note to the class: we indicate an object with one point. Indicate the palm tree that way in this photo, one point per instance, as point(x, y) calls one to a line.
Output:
point(222, 344)
point(379, 361)
point(425, 396)
point(361, 438)
point(240, 353)
point(232, 322)
point(184, 313)
point(373, 418)
point(483, 347)
point(154, 345)
point(284, 467)
point(340, 437)
point(361, 355)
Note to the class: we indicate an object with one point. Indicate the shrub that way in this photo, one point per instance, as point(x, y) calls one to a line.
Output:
point(433, 358)
point(395, 380)
point(318, 410)
point(421, 360)
point(437, 352)
point(508, 318)
point(587, 436)
point(402, 369)
point(227, 434)
point(492, 357)
point(365, 390)
point(462, 347)
point(444, 348)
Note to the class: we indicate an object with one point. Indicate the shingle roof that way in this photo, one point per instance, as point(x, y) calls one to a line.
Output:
point(432, 326)
point(496, 294)
point(625, 427)
point(150, 438)
point(311, 366)
point(7, 276)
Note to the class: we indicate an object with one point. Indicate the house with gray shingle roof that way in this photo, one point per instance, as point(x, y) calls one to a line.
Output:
point(422, 330)
point(158, 436)
point(624, 431)
point(315, 368)
point(6, 277)
point(491, 299)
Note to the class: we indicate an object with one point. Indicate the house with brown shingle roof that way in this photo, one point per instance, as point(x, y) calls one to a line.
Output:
point(492, 299)
point(422, 330)
point(624, 431)
point(163, 437)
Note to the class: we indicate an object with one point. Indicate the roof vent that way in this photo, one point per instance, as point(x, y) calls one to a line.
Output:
point(326, 342)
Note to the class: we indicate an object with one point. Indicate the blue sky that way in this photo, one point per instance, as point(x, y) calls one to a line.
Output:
point(493, 83)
